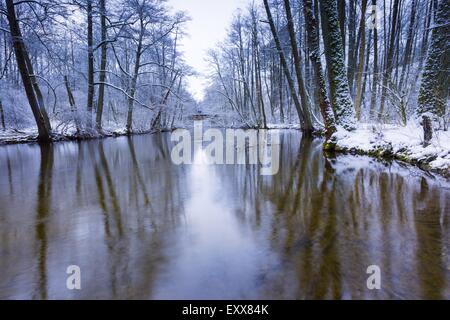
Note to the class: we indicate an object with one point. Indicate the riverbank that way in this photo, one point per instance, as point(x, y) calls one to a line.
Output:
point(14, 136)
point(379, 141)
point(399, 143)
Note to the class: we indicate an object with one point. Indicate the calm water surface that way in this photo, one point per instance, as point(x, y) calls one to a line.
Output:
point(140, 227)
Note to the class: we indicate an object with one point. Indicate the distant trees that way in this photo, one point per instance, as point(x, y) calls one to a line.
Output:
point(390, 48)
point(103, 61)
point(240, 70)
point(373, 53)
point(303, 109)
point(306, 104)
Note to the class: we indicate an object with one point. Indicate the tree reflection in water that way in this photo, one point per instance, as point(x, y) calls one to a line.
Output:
point(141, 227)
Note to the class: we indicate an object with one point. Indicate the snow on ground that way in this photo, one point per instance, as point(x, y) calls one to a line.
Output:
point(404, 142)
point(11, 135)
point(283, 126)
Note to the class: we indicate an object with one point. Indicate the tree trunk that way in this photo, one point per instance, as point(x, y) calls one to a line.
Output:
point(72, 104)
point(341, 10)
point(334, 52)
point(313, 43)
point(102, 74)
point(306, 104)
point(37, 90)
point(90, 75)
point(351, 42)
point(427, 130)
point(373, 95)
point(2, 116)
point(280, 94)
point(44, 129)
point(366, 67)
point(390, 56)
point(285, 65)
point(362, 48)
point(409, 44)
point(258, 79)
point(132, 92)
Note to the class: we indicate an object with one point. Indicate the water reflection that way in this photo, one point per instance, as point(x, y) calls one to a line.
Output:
point(214, 256)
point(140, 227)
point(44, 190)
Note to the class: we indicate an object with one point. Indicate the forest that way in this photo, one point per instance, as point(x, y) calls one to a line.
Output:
point(84, 67)
point(336, 63)
point(372, 76)
point(88, 68)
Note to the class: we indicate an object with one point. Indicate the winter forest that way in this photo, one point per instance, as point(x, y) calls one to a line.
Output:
point(91, 91)
point(84, 68)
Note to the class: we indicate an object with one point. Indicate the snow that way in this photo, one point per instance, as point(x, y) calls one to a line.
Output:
point(284, 126)
point(404, 142)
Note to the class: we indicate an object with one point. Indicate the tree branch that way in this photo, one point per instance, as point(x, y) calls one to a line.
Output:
point(125, 93)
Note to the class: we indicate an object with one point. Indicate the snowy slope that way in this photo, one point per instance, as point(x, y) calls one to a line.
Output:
point(403, 142)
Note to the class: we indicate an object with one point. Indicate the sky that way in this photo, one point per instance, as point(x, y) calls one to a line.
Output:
point(210, 20)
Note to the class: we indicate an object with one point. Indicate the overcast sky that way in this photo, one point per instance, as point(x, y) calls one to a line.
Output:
point(209, 24)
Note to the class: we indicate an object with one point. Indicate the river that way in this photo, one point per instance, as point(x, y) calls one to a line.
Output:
point(141, 227)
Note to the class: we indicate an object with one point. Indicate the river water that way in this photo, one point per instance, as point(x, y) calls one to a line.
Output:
point(141, 227)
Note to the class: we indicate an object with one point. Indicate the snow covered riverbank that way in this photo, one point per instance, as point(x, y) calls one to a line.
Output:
point(402, 143)
point(387, 141)
point(12, 136)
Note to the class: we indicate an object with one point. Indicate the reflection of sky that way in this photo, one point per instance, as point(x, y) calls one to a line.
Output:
point(212, 245)
point(209, 24)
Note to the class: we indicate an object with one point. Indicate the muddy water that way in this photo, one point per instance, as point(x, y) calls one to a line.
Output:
point(139, 226)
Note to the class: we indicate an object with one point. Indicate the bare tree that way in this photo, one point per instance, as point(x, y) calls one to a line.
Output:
point(103, 61)
point(27, 74)
point(300, 111)
point(360, 70)
point(306, 104)
point(390, 56)
point(90, 71)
